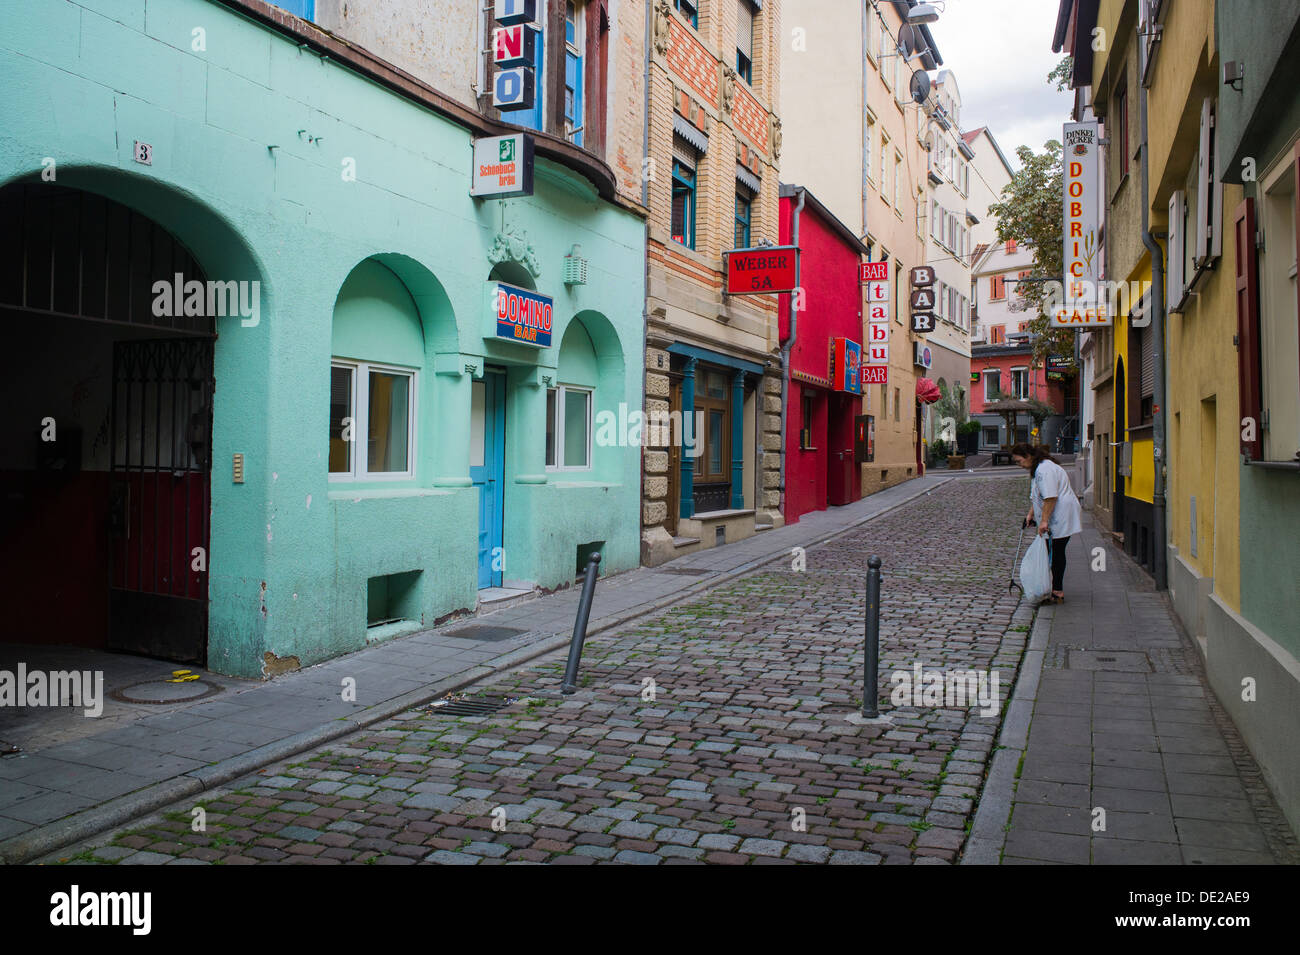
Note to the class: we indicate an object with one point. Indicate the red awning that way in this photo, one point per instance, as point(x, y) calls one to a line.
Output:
point(927, 391)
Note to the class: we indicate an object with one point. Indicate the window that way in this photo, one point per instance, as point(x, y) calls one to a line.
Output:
point(690, 9)
point(896, 404)
point(712, 402)
point(683, 215)
point(744, 210)
point(534, 118)
point(568, 428)
point(884, 160)
point(992, 384)
point(1120, 136)
point(306, 9)
point(1023, 327)
point(997, 334)
point(898, 178)
point(574, 35)
point(997, 287)
point(1020, 382)
point(871, 146)
point(806, 433)
point(745, 40)
point(1268, 354)
point(381, 412)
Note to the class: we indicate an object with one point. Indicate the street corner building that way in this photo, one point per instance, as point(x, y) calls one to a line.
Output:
point(282, 386)
point(855, 126)
point(827, 436)
point(1197, 385)
point(713, 142)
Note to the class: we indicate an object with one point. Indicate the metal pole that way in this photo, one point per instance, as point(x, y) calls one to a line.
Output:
point(580, 626)
point(871, 654)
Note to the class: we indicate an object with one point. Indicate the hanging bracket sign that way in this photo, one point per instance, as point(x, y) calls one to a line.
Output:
point(762, 271)
point(503, 167)
point(520, 315)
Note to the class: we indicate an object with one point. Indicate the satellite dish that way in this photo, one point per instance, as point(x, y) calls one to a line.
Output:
point(920, 86)
point(909, 39)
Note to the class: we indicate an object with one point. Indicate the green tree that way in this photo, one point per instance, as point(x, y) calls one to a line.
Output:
point(1030, 213)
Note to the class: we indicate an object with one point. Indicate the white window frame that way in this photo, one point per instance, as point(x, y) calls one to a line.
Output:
point(996, 374)
point(1024, 370)
point(360, 414)
point(871, 145)
point(560, 391)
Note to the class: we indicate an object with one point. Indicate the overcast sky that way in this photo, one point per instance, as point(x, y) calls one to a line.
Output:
point(1000, 51)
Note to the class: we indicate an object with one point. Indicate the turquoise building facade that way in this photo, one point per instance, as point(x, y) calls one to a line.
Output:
point(334, 193)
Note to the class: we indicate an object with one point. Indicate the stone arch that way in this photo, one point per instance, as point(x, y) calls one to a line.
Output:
point(591, 356)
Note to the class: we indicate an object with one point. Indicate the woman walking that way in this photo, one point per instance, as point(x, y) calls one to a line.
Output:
point(1052, 503)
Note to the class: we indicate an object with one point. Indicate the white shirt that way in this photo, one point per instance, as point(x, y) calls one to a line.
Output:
point(1050, 480)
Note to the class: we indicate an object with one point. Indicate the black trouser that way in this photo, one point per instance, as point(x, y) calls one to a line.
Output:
point(1058, 563)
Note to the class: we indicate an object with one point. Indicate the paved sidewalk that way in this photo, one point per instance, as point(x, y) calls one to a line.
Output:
point(725, 729)
point(55, 795)
point(1112, 723)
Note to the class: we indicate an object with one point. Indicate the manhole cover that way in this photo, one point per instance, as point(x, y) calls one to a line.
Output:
point(483, 632)
point(457, 706)
point(165, 691)
point(688, 571)
point(1124, 661)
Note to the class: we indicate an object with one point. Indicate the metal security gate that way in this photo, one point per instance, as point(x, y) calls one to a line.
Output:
point(161, 497)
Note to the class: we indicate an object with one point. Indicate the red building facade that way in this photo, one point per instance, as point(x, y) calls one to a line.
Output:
point(824, 386)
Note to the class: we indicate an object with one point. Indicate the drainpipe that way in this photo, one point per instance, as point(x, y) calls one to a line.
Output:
point(789, 343)
point(1157, 318)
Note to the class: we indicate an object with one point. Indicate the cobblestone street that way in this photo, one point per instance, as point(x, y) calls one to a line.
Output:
point(744, 754)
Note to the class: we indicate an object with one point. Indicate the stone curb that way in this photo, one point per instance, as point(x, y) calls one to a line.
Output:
point(88, 823)
point(988, 832)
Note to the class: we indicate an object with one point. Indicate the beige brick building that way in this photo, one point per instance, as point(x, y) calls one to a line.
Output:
point(857, 141)
point(711, 176)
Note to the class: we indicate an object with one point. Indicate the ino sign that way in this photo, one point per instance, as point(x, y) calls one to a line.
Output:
point(514, 46)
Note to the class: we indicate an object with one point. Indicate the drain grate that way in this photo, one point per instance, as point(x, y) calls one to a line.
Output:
point(484, 633)
point(687, 571)
point(1122, 661)
point(461, 706)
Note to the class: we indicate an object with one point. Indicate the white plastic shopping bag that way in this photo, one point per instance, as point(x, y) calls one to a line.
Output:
point(1036, 570)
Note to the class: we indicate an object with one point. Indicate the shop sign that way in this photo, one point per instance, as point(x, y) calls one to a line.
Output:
point(503, 167)
point(923, 356)
point(922, 321)
point(875, 375)
point(513, 51)
point(921, 276)
point(847, 362)
point(763, 270)
point(521, 316)
point(873, 272)
point(875, 276)
point(1081, 177)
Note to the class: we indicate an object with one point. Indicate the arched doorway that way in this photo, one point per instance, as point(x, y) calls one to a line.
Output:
point(105, 459)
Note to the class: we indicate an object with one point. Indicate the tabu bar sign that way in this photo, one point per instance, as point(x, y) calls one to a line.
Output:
point(848, 359)
point(522, 316)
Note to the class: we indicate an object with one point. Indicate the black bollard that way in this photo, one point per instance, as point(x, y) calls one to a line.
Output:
point(580, 626)
point(871, 651)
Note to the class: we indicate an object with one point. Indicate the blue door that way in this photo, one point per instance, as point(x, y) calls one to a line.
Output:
point(487, 471)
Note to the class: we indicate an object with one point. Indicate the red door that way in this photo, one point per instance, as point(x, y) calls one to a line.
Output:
point(841, 471)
